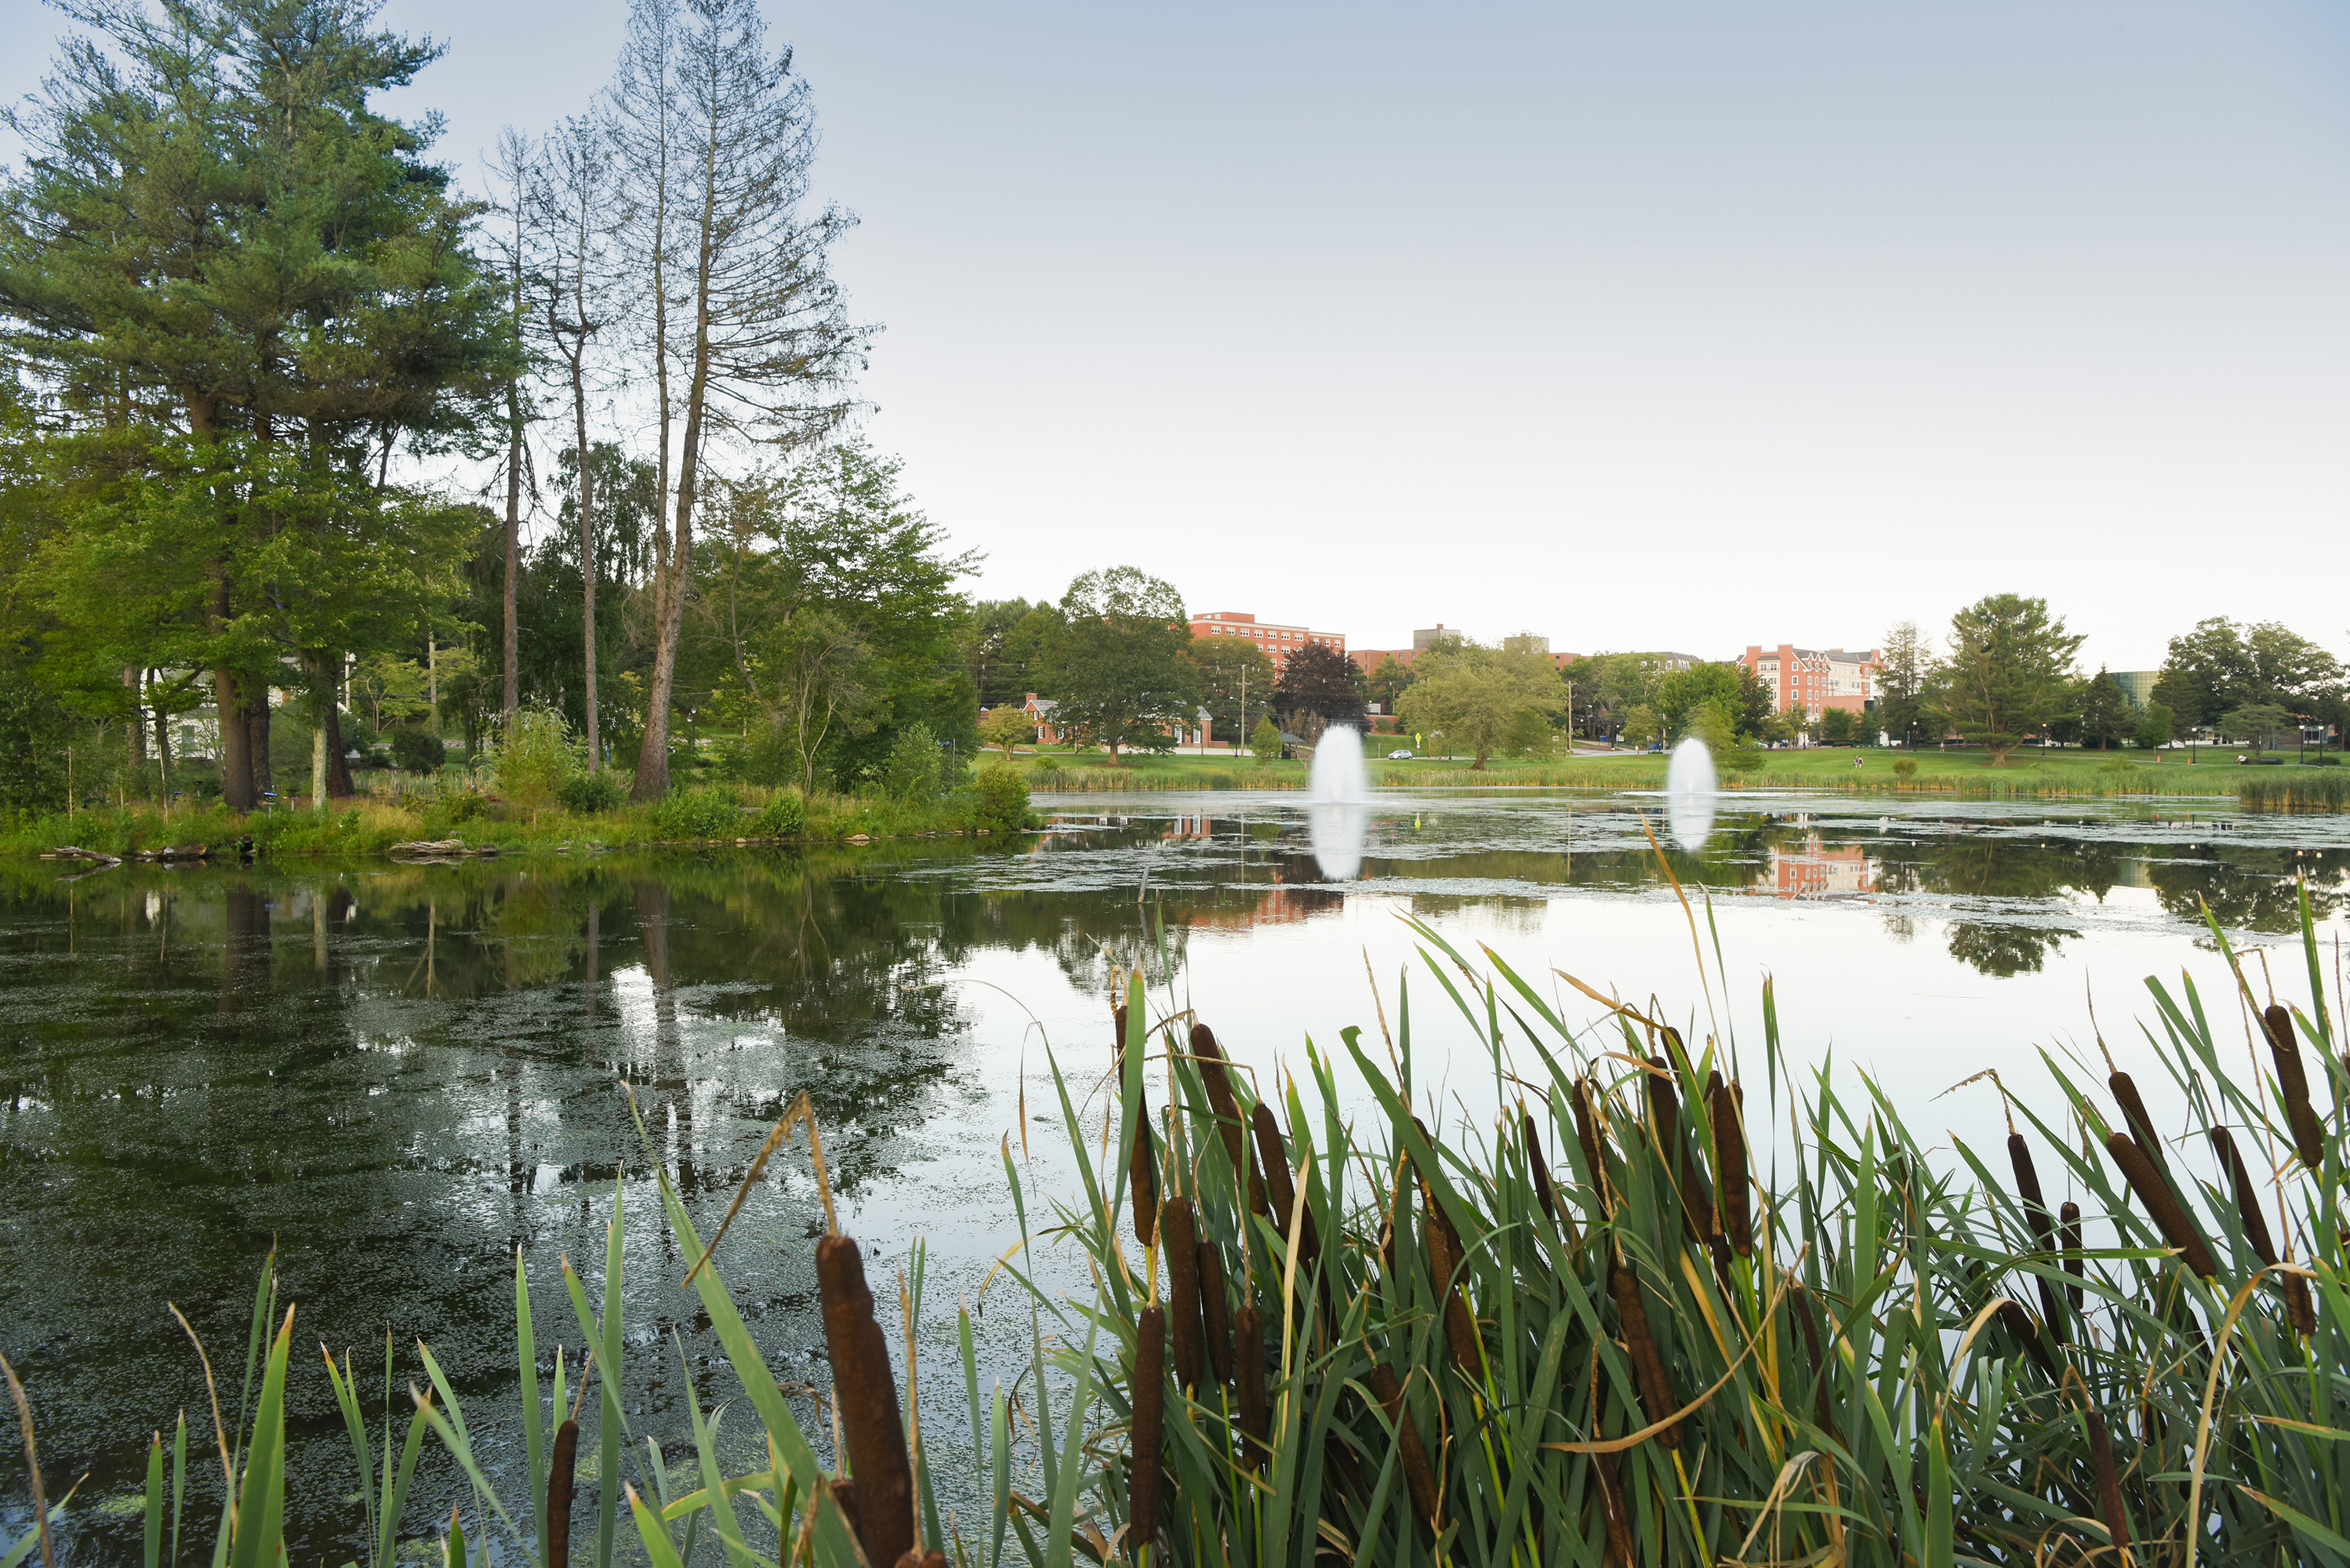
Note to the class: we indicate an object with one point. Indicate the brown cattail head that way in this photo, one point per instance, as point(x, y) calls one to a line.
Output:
point(2043, 1227)
point(1421, 1479)
point(1217, 1079)
point(1730, 1159)
point(1586, 1134)
point(1149, 1435)
point(1806, 1316)
point(2308, 1136)
point(1248, 1383)
point(1647, 1367)
point(561, 1466)
point(2154, 1193)
point(1117, 1047)
point(1142, 1174)
point(1272, 1154)
point(866, 1394)
point(2141, 1125)
point(2068, 1237)
point(2109, 1485)
point(1445, 1255)
point(2248, 1196)
point(1180, 1233)
point(844, 1498)
point(1609, 1468)
point(1215, 1311)
point(2018, 1322)
point(1544, 1193)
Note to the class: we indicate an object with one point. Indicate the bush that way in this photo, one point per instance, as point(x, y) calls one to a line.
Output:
point(535, 759)
point(911, 771)
point(1905, 768)
point(1002, 800)
point(786, 816)
point(588, 794)
point(699, 814)
point(417, 751)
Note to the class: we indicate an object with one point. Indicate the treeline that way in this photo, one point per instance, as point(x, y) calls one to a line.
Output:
point(252, 331)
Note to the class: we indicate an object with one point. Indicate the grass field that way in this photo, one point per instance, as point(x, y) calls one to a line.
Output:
point(2030, 773)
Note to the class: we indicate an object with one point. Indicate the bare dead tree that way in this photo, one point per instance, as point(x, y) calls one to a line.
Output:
point(512, 163)
point(749, 337)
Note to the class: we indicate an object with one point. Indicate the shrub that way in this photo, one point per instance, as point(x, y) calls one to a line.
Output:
point(1905, 768)
point(1002, 800)
point(698, 814)
point(1265, 742)
point(417, 751)
point(786, 816)
point(535, 759)
point(1047, 775)
point(588, 794)
point(911, 771)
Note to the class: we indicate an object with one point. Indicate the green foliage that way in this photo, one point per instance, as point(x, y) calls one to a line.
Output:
point(1320, 686)
point(1837, 726)
point(1265, 742)
point(535, 759)
point(2256, 723)
point(33, 733)
point(417, 751)
point(911, 772)
point(2008, 669)
point(1482, 700)
point(698, 814)
point(2154, 727)
point(587, 794)
point(1233, 670)
point(786, 816)
point(2105, 712)
point(1905, 768)
point(1123, 676)
point(1909, 672)
point(1002, 799)
point(1006, 725)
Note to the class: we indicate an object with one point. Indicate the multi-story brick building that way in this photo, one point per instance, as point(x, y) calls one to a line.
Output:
point(1279, 641)
point(1808, 682)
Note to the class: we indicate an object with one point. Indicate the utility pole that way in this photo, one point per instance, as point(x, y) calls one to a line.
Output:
point(1244, 728)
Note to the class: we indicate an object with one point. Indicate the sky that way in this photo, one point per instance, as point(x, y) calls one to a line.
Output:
point(1672, 326)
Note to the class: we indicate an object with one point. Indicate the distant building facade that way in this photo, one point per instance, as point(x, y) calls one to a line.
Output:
point(1809, 681)
point(1040, 709)
point(1278, 640)
point(1369, 660)
point(2138, 685)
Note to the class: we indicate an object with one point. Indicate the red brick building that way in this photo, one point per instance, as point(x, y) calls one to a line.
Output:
point(1808, 682)
point(1279, 641)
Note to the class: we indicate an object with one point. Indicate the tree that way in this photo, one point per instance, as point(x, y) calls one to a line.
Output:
point(2154, 729)
point(1901, 685)
point(985, 639)
point(1481, 698)
point(1680, 693)
point(2105, 712)
point(748, 337)
point(534, 759)
point(2256, 723)
point(1641, 725)
point(1836, 726)
point(1236, 680)
point(2010, 665)
point(1006, 725)
point(1124, 678)
point(1265, 742)
point(1319, 686)
point(1385, 685)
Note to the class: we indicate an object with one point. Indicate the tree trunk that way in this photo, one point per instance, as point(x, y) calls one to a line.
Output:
point(587, 569)
point(134, 737)
point(236, 739)
point(512, 695)
point(257, 719)
point(326, 671)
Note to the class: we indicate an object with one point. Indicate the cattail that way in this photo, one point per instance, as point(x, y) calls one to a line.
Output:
point(2018, 1322)
point(1142, 1173)
point(866, 1394)
point(1217, 1079)
point(2308, 1138)
point(1587, 1133)
point(1729, 1161)
point(1656, 1393)
point(2141, 1125)
point(1279, 1189)
point(1445, 1255)
point(844, 1498)
point(933, 1558)
point(1118, 1049)
point(1248, 1381)
point(1544, 1193)
point(2043, 1229)
point(1215, 1311)
point(1665, 1111)
point(1150, 1425)
point(559, 1472)
point(2298, 1306)
point(1806, 1315)
point(1181, 1234)
point(2109, 1485)
point(2155, 1194)
point(1414, 1456)
point(2069, 1236)
point(1609, 1468)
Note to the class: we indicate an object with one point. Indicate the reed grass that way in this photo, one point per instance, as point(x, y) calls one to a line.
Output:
point(1665, 1346)
point(2296, 789)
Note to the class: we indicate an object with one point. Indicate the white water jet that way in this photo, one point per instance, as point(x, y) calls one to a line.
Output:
point(1337, 794)
point(1690, 795)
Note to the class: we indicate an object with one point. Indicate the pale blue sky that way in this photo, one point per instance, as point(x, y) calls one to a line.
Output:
point(1661, 325)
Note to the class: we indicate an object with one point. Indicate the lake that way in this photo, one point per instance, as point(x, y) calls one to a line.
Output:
point(400, 1075)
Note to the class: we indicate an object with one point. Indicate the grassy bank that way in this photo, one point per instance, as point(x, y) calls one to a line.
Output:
point(718, 814)
point(1606, 1332)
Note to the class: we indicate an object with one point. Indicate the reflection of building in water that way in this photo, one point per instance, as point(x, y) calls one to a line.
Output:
point(1273, 906)
point(1814, 869)
point(1199, 826)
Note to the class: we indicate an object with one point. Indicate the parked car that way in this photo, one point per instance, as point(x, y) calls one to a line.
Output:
point(1398, 756)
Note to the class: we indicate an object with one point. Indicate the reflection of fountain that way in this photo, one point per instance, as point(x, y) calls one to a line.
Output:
point(1690, 795)
point(1337, 794)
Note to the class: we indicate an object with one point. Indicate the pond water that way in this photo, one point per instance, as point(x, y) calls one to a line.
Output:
point(401, 1075)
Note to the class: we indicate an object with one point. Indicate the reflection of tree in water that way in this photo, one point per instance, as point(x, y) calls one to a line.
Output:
point(2003, 950)
point(2252, 890)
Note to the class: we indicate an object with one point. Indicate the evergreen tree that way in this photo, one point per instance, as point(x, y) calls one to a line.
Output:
point(2010, 666)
